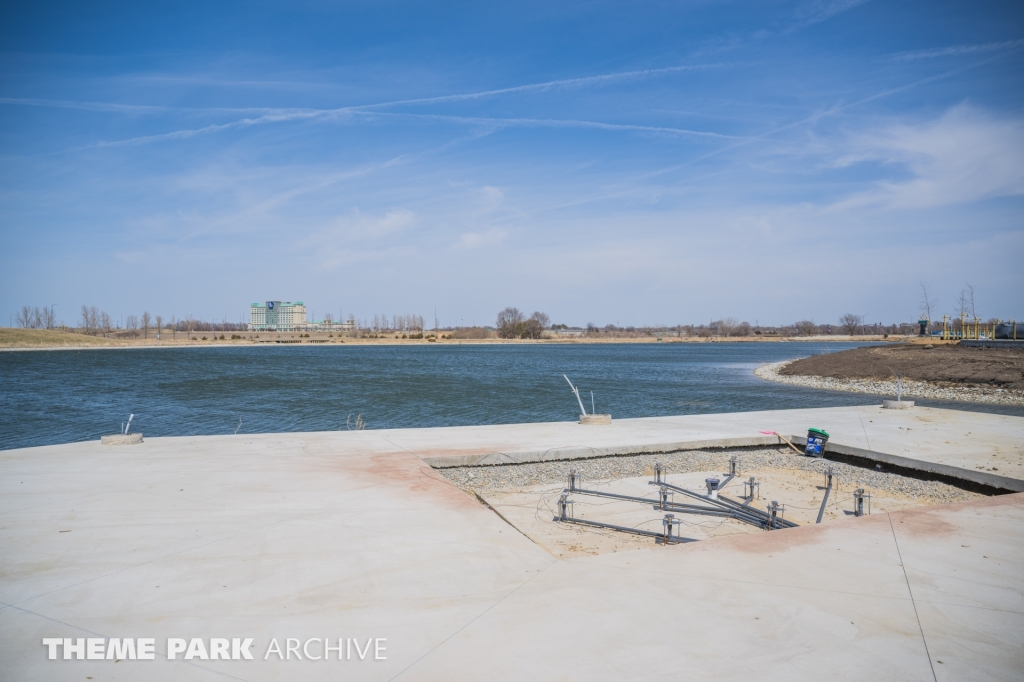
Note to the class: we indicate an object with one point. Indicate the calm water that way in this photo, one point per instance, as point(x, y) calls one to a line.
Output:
point(62, 396)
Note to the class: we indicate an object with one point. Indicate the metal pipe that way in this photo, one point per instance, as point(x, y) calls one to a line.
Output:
point(576, 392)
point(598, 493)
point(754, 521)
point(636, 531)
point(740, 514)
point(824, 501)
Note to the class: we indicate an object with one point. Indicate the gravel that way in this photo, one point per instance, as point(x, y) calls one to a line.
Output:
point(511, 477)
point(911, 389)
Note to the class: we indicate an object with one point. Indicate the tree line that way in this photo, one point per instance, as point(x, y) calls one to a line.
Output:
point(98, 322)
point(511, 323)
point(397, 323)
point(36, 318)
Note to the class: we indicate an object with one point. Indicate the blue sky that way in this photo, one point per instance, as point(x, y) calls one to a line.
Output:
point(629, 163)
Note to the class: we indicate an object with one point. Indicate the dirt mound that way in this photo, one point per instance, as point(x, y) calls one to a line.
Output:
point(998, 367)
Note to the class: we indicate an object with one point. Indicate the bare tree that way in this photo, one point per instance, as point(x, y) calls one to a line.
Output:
point(174, 329)
point(146, 322)
point(727, 325)
point(533, 328)
point(965, 301)
point(927, 302)
point(103, 322)
point(851, 323)
point(85, 319)
point(508, 323)
point(47, 319)
point(24, 317)
point(190, 326)
point(159, 325)
point(806, 328)
point(131, 323)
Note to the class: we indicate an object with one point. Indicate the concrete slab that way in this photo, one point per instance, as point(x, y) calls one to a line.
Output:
point(352, 535)
point(830, 601)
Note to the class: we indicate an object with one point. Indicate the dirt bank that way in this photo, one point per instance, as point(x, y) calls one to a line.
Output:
point(941, 365)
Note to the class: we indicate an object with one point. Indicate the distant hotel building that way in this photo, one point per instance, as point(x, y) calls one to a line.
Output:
point(281, 316)
point(285, 316)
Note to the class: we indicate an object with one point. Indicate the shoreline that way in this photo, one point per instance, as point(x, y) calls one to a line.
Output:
point(119, 344)
point(967, 393)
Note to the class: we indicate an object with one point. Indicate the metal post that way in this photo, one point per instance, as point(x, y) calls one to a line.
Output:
point(828, 489)
point(748, 488)
point(667, 524)
point(712, 484)
point(657, 472)
point(773, 510)
point(563, 504)
point(663, 497)
point(572, 481)
point(858, 497)
point(732, 465)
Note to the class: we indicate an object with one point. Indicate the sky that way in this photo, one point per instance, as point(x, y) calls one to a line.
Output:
point(611, 163)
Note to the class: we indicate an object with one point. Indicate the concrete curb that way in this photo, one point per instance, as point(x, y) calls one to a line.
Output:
point(569, 453)
point(944, 470)
point(583, 452)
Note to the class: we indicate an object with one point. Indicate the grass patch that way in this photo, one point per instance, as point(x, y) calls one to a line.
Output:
point(13, 337)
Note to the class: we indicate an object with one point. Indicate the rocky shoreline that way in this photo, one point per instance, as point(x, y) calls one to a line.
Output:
point(970, 393)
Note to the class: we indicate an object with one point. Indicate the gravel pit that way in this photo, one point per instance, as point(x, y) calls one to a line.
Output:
point(526, 495)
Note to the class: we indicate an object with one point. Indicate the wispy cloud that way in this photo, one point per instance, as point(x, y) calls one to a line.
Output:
point(957, 50)
point(489, 237)
point(354, 113)
point(564, 83)
point(86, 106)
point(830, 111)
point(821, 10)
point(964, 156)
point(277, 117)
point(558, 123)
point(282, 115)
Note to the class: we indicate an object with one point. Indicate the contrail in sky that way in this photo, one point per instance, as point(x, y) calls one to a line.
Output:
point(279, 115)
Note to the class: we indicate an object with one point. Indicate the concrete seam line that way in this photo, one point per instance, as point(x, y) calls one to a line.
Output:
point(475, 618)
point(864, 429)
point(512, 525)
point(911, 591)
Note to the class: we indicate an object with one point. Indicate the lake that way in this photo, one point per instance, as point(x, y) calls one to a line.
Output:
point(73, 395)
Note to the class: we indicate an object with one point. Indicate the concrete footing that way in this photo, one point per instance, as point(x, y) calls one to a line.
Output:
point(595, 419)
point(349, 534)
point(121, 439)
point(897, 404)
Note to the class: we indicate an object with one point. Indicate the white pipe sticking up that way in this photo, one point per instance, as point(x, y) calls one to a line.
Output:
point(576, 392)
